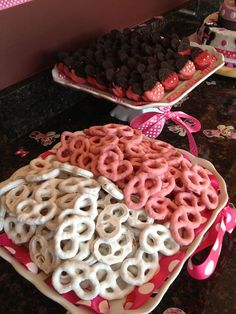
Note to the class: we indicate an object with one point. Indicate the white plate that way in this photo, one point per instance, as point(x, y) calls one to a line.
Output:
point(116, 306)
point(171, 98)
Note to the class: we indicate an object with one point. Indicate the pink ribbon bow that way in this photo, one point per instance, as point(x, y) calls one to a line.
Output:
point(226, 221)
point(152, 123)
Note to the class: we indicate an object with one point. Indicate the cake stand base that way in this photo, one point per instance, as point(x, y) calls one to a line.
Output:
point(128, 114)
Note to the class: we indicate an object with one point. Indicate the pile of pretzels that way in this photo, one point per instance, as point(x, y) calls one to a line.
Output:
point(99, 212)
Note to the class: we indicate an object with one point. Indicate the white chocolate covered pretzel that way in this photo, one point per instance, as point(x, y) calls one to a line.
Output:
point(44, 231)
point(11, 185)
point(110, 220)
point(42, 253)
point(76, 276)
point(84, 251)
point(67, 200)
point(138, 218)
point(115, 250)
point(33, 213)
point(14, 196)
point(157, 238)
point(110, 188)
point(40, 164)
point(116, 288)
point(139, 269)
point(70, 185)
point(47, 191)
point(38, 176)
point(86, 205)
point(17, 231)
point(74, 230)
point(90, 186)
point(74, 170)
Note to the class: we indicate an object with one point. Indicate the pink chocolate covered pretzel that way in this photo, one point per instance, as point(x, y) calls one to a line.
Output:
point(183, 221)
point(79, 143)
point(63, 152)
point(160, 208)
point(189, 199)
point(196, 179)
point(157, 166)
point(139, 188)
point(209, 197)
point(97, 143)
point(110, 166)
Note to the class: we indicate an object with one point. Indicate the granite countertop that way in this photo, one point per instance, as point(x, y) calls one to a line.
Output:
point(54, 108)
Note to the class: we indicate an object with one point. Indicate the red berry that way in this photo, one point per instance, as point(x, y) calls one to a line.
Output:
point(60, 67)
point(170, 82)
point(118, 91)
point(100, 86)
point(144, 98)
point(156, 93)
point(77, 79)
point(186, 52)
point(91, 80)
point(66, 71)
point(203, 60)
point(187, 71)
point(131, 95)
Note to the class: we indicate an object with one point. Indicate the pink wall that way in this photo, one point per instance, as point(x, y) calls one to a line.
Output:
point(32, 32)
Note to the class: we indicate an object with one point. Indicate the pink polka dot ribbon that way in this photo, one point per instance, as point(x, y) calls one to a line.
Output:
point(225, 222)
point(140, 295)
point(6, 4)
point(152, 123)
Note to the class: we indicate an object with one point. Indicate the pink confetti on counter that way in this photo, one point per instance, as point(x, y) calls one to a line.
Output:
point(21, 152)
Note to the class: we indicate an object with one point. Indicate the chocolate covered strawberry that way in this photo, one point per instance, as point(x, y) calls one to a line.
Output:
point(185, 68)
point(120, 84)
point(77, 79)
point(184, 48)
point(60, 67)
point(168, 78)
point(154, 91)
point(201, 58)
point(66, 70)
point(78, 75)
point(132, 95)
point(118, 91)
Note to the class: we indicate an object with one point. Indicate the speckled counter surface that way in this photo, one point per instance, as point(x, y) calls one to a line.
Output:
point(213, 103)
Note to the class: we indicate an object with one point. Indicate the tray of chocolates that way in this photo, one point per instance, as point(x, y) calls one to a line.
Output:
point(105, 221)
point(138, 69)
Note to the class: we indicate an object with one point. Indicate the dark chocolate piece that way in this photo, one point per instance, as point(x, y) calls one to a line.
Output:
point(89, 70)
point(174, 43)
point(195, 52)
point(181, 62)
point(137, 88)
point(160, 56)
point(148, 84)
point(141, 68)
point(107, 64)
point(110, 74)
point(164, 73)
point(184, 44)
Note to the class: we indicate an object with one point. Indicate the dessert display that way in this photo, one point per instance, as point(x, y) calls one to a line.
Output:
point(219, 31)
point(141, 67)
point(101, 211)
